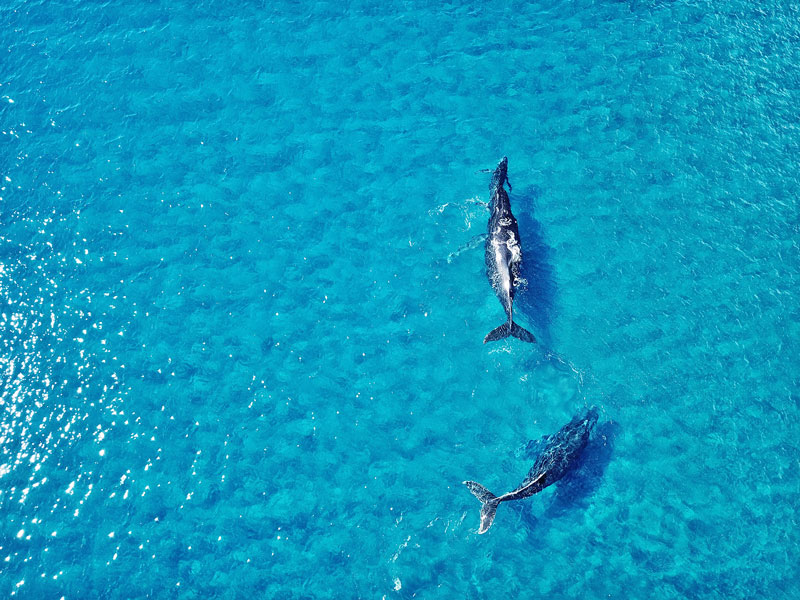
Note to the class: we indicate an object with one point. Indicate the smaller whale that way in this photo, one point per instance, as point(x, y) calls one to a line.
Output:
point(558, 456)
point(503, 255)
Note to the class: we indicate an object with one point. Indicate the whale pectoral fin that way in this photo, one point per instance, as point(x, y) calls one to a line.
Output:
point(510, 189)
point(481, 203)
point(473, 243)
point(531, 449)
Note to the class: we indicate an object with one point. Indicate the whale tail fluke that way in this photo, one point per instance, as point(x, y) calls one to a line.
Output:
point(489, 504)
point(504, 331)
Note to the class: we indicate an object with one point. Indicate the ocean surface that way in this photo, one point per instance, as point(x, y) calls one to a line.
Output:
point(242, 308)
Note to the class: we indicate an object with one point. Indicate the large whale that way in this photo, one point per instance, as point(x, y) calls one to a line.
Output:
point(557, 457)
point(503, 255)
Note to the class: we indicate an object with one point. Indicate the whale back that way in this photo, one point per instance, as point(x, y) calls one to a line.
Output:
point(560, 451)
point(503, 252)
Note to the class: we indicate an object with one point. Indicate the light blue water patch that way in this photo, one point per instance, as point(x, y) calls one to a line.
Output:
point(237, 360)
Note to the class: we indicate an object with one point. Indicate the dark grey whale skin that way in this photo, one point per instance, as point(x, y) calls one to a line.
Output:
point(559, 454)
point(503, 255)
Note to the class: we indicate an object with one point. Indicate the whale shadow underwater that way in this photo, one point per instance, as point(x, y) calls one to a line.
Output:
point(536, 297)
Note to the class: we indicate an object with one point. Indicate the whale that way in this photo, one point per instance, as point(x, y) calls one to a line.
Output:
point(503, 255)
point(558, 455)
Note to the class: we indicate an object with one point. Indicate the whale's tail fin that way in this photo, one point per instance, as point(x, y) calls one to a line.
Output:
point(505, 330)
point(489, 503)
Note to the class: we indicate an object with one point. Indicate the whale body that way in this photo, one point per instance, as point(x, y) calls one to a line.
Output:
point(558, 455)
point(503, 255)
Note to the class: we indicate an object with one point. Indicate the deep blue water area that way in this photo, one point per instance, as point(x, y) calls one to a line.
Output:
point(241, 322)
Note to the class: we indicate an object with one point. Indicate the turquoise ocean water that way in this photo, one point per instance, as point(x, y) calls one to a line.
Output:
point(237, 362)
